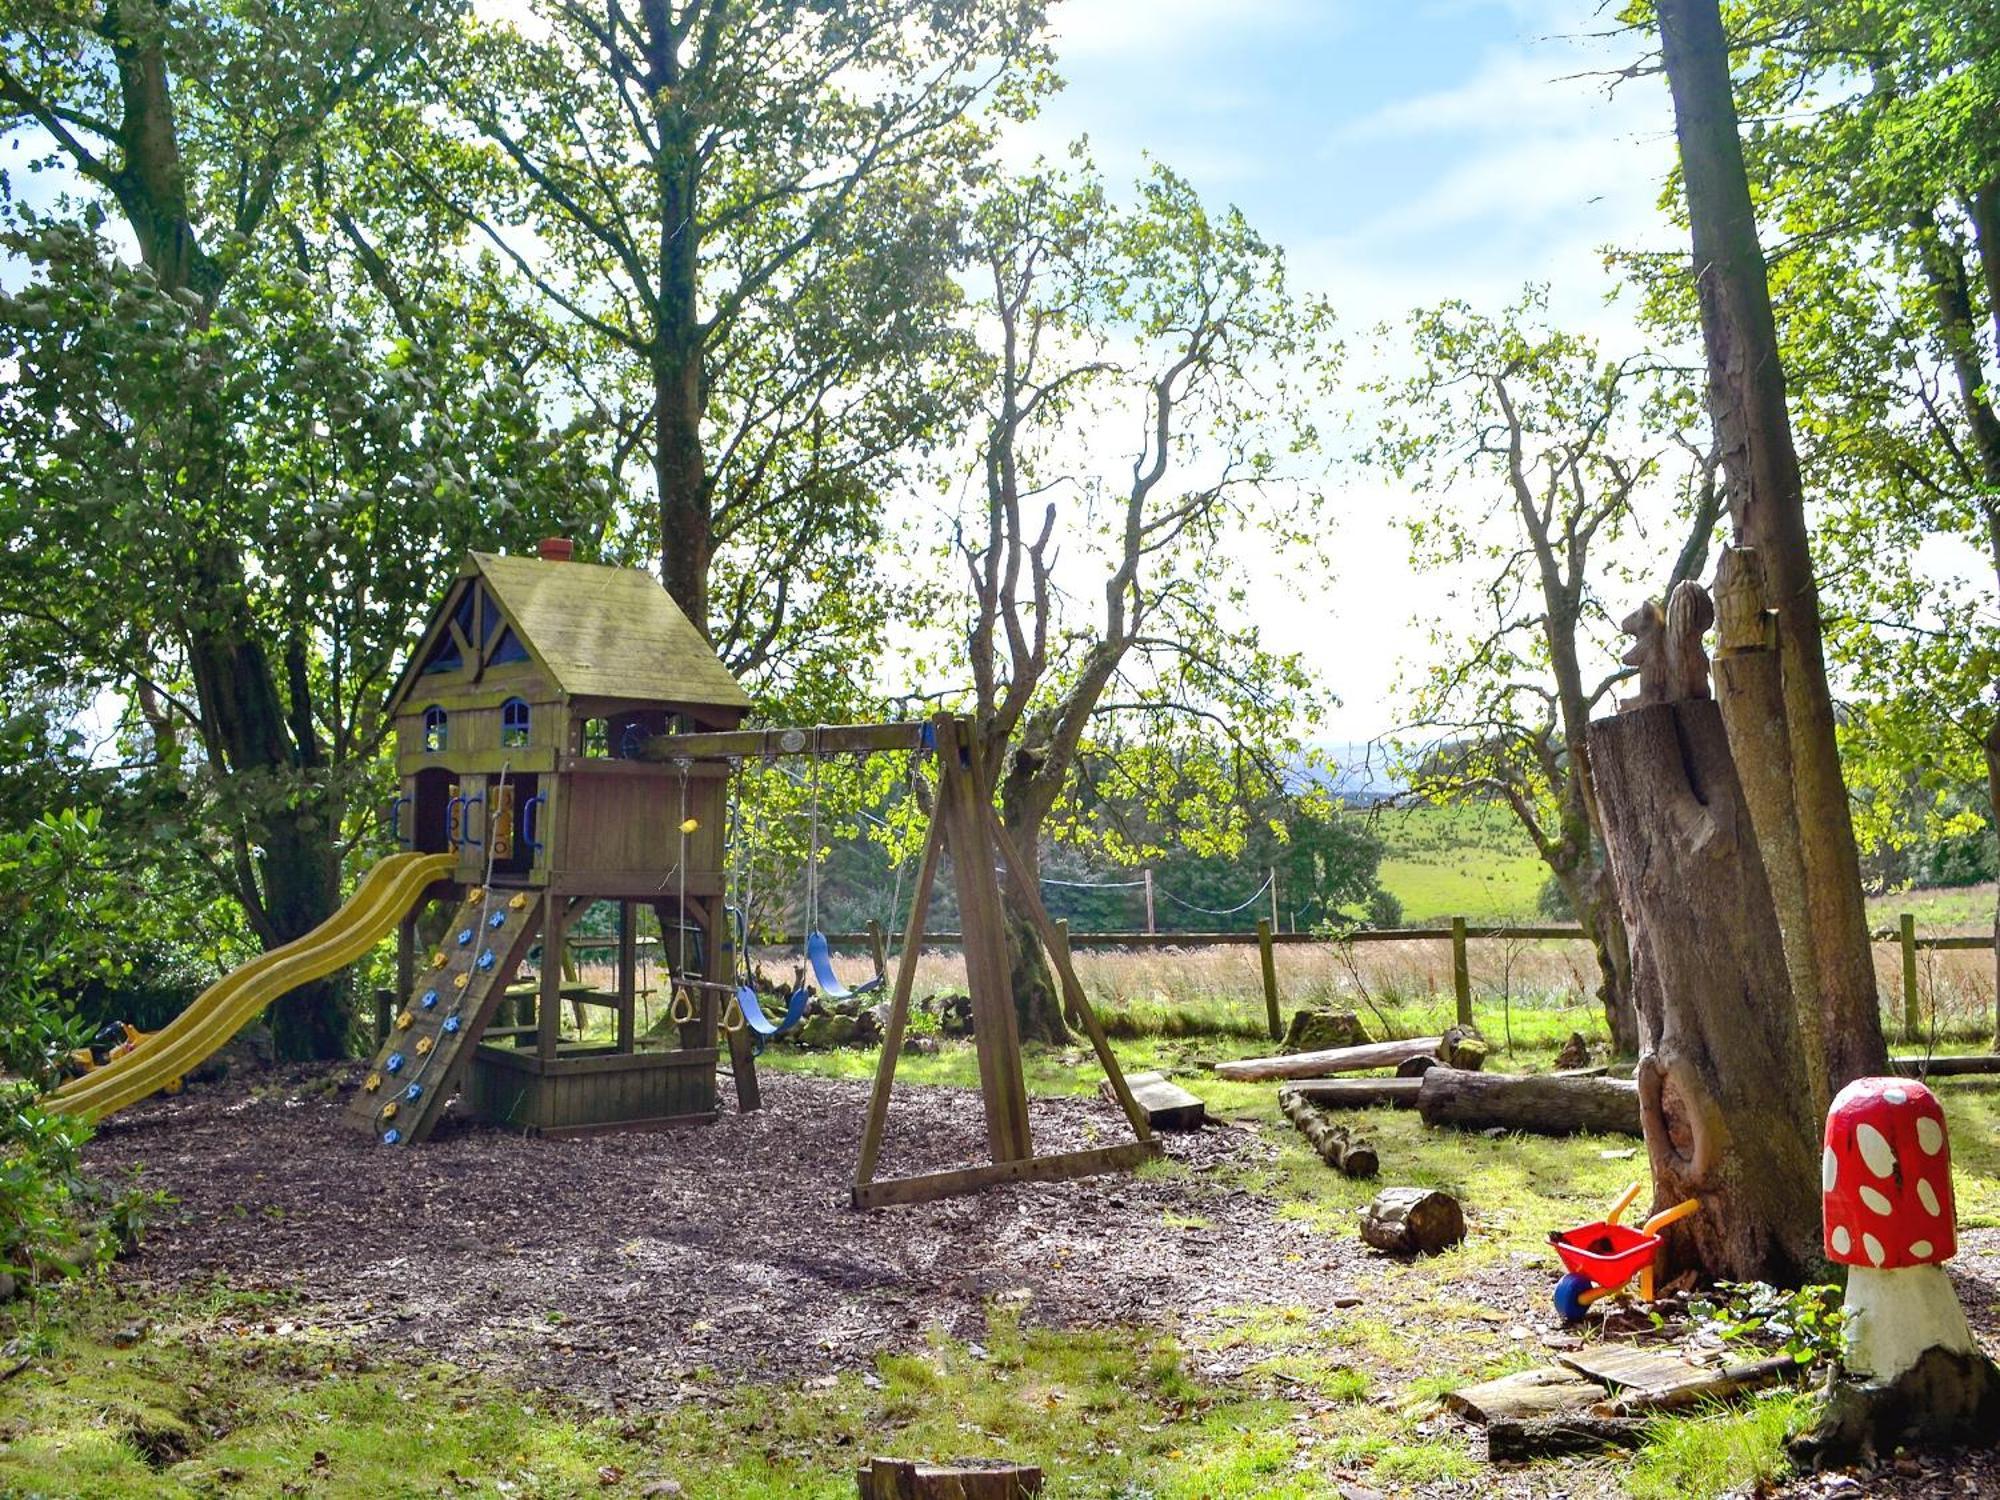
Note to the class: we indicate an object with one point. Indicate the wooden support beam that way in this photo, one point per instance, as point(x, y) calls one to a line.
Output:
point(899, 1007)
point(996, 1037)
point(1045, 928)
point(628, 976)
point(769, 744)
point(1058, 1168)
point(548, 1005)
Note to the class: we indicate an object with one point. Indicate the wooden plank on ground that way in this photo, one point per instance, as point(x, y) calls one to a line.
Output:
point(1167, 1105)
point(1625, 1367)
point(1058, 1168)
point(1358, 1093)
point(1545, 1391)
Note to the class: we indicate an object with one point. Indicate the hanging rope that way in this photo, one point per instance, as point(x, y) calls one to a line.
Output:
point(812, 845)
point(681, 919)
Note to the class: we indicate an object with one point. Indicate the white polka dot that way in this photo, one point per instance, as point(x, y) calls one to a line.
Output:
point(1930, 1135)
point(1876, 1201)
point(1829, 1170)
point(1927, 1195)
point(1874, 1248)
point(1921, 1249)
point(1842, 1240)
point(1875, 1150)
point(1896, 1096)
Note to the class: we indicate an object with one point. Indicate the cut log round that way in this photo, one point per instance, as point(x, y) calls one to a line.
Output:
point(961, 1479)
point(1413, 1221)
point(1535, 1102)
point(1333, 1060)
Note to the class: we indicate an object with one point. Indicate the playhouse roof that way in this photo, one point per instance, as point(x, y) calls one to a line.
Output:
point(600, 632)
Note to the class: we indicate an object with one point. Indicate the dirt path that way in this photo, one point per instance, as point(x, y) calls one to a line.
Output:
point(620, 1266)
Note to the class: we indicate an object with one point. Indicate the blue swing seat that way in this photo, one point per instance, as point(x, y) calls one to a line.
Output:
point(820, 956)
point(761, 1025)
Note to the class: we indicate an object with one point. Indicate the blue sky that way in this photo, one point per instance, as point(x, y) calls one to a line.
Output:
point(1403, 151)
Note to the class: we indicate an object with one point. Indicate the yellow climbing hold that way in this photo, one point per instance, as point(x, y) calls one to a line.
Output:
point(459, 982)
point(404, 1020)
point(519, 901)
point(690, 825)
point(389, 1110)
point(374, 1082)
point(439, 960)
point(423, 1045)
point(477, 893)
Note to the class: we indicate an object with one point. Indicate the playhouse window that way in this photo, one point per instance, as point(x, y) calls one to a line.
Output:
point(596, 738)
point(436, 729)
point(513, 723)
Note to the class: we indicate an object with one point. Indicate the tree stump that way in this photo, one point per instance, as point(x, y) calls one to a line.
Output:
point(961, 1479)
point(1413, 1221)
point(1724, 1102)
point(1321, 1030)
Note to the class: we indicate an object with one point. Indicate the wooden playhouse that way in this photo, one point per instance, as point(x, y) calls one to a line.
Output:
point(519, 722)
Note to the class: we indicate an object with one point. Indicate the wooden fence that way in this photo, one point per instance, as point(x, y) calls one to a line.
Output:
point(1459, 933)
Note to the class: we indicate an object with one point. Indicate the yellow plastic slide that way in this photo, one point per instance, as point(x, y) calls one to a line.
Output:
point(385, 894)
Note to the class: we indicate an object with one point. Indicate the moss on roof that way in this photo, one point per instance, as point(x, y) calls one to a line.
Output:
point(608, 632)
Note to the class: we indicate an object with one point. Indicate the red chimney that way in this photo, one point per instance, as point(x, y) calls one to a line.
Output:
point(557, 549)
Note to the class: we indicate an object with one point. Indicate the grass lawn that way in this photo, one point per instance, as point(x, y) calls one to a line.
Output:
point(232, 1391)
point(1468, 860)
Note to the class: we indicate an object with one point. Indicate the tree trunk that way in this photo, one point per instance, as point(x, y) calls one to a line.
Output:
point(680, 473)
point(1596, 907)
point(1993, 801)
point(291, 822)
point(1038, 1002)
point(1746, 398)
point(1752, 700)
point(1724, 1103)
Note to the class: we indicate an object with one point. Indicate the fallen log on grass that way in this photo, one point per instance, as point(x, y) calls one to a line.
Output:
point(1357, 1093)
point(1536, 1102)
point(1337, 1146)
point(1332, 1060)
point(1944, 1067)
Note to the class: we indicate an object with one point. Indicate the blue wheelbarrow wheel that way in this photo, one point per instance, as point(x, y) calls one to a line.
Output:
point(1569, 1297)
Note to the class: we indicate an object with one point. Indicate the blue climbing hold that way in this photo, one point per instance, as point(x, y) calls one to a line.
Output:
point(430, 999)
point(485, 960)
point(498, 919)
point(391, 1136)
point(414, 1091)
point(451, 1023)
point(465, 937)
point(395, 1063)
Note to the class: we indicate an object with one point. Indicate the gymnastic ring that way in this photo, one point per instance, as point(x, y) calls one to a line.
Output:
point(683, 1010)
point(732, 1016)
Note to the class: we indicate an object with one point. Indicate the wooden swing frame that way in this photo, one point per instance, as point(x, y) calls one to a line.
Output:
point(962, 818)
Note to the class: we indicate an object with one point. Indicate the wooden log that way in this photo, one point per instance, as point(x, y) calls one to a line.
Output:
point(1337, 1146)
point(1545, 1391)
point(1539, 1103)
point(1547, 1437)
point(1725, 1100)
point(1333, 1060)
point(1268, 963)
point(1945, 1067)
point(1167, 1105)
point(1413, 1221)
point(1357, 1093)
point(961, 1479)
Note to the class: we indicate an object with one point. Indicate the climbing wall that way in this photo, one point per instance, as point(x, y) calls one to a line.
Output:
point(432, 1037)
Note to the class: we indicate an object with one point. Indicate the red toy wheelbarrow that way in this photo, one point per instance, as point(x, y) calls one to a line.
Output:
point(1601, 1258)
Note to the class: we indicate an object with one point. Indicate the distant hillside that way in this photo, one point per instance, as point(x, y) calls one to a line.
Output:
point(1471, 861)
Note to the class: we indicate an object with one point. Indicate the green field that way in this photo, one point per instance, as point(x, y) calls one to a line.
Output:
point(1470, 860)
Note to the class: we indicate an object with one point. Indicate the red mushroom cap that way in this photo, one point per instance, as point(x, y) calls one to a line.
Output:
point(1886, 1174)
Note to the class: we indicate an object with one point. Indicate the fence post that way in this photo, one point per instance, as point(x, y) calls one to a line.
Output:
point(878, 945)
point(1461, 972)
point(1270, 962)
point(1150, 928)
point(1908, 934)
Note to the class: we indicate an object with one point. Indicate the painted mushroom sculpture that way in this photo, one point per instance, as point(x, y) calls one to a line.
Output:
point(1886, 1173)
